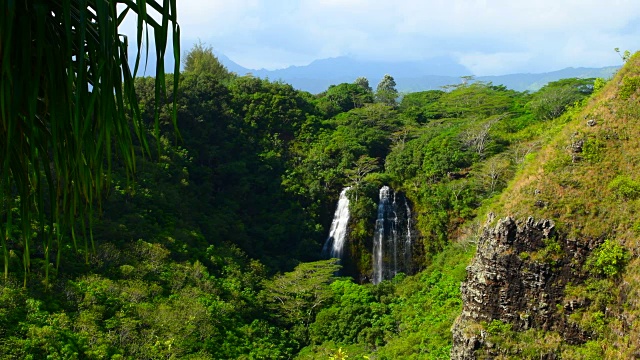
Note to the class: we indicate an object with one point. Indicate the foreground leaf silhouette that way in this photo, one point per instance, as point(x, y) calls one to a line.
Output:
point(66, 100)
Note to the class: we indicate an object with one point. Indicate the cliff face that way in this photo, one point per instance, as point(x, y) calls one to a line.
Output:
point(518, 276)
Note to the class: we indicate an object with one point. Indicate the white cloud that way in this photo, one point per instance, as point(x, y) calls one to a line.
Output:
point(494, 63)
point(215, 18)
point(489, 36)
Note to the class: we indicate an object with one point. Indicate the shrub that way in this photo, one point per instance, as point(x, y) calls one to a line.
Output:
point(592, 150)
point(608, 259)
point(598, 84)
point(629, 87)
point(497, 327)
point(625, 187)
point(591, 350)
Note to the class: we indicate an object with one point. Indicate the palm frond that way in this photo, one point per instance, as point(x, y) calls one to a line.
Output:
point(66, 97)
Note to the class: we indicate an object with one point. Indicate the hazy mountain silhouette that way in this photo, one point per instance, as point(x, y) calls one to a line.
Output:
point(410, 76)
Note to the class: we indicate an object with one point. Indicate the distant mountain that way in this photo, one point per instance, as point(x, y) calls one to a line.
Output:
point(320, 74)
point(519, 82)
point(341, 67)
point(534, 82)
point(410, 76)
point(232, 66)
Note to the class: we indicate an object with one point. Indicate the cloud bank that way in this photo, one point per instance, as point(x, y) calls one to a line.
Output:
point(490, 37)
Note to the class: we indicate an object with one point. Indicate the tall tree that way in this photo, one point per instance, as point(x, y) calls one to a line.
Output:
point(297, 296)
point(386, 92)
point(344, 97)
point(361, 168)
point(363, 82)
point(66, 100)
point(555, 97)
point(200, 59)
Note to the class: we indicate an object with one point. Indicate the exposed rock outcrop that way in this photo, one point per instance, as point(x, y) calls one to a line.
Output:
point(518, 276)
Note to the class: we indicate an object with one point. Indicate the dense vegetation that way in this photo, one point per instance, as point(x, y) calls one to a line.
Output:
point(585, 180)
point(213, 249)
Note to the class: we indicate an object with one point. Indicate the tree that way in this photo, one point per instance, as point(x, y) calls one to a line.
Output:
point(200, 59)
point(386, 92)
point(363, 82)
point(361, 167)
point(479, 137)
point(298, 295)
point(554, 98)
point(67, 106)
point(494, 173)
point(624, 55)
point(477, 98)
point(421, 106)
point(344, 97)
point(354, 316)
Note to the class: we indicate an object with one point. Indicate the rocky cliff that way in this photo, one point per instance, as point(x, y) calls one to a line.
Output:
point(518, 277)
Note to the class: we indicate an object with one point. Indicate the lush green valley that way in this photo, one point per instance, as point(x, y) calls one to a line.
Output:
point(213, 249)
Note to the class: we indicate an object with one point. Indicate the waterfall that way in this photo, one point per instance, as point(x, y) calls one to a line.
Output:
point(392, 239)
point(378, 237)
point(407, 243)
point(338, 233)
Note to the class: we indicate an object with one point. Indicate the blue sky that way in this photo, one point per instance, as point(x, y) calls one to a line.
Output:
point(490, 37)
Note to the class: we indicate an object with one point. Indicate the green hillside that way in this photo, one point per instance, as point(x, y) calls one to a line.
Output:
point(213, 249)
point(585, 178)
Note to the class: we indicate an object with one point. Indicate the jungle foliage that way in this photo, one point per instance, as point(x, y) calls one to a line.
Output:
point(213, 251)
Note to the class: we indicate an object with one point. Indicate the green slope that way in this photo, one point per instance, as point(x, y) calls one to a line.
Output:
point(586, 178)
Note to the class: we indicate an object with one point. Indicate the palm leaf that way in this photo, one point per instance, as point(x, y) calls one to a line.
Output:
point(67, 108)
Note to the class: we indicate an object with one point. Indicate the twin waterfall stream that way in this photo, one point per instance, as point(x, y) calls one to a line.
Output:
point(392, 238)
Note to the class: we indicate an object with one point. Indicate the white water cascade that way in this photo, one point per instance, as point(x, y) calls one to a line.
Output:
point(407, 242)
point(378, 237)
point(334, 245)
point(392, 239)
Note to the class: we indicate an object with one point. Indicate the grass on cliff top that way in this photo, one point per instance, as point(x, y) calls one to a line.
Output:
point(587, 178)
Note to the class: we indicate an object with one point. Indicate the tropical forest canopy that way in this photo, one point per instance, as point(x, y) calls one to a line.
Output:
point(212, 249)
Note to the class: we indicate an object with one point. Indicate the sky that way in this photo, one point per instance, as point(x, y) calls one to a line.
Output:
point(489, 37)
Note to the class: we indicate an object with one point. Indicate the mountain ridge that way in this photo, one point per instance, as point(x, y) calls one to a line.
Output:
point(410, 76)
